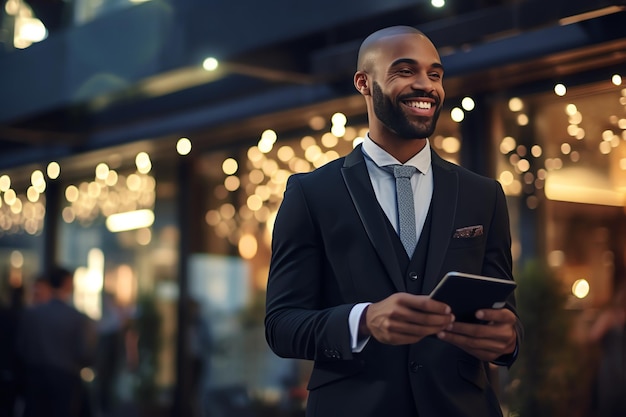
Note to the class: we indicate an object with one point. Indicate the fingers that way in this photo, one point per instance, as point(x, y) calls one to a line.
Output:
point(503, 315)
point(485, 341)
point(405, 318)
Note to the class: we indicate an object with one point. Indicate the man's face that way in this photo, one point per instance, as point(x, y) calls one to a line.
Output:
point(392, 115)
point(408, 99)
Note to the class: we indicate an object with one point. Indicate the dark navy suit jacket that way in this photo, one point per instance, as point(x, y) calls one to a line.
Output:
point(332, 249)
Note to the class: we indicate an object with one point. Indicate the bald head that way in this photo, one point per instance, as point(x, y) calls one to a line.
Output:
point(372, 42)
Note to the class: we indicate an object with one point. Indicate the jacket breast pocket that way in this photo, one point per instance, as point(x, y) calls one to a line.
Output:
point(467, 242)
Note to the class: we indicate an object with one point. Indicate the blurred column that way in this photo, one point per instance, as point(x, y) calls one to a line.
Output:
point(51, 225)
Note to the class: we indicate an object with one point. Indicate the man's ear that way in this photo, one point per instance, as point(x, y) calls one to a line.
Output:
point(361, 83)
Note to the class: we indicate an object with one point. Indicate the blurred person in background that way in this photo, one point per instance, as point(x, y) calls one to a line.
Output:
point(54, 342)
point(41, 291)
point(9, 316)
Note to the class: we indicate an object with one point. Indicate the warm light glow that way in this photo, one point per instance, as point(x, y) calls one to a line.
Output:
point(144, 236)
point(5, 183)
point(556, 258)
point(317, 123)
point(457, 114)
point(111, 178)
point(536, 151)
point(523, 165)
point(130, 220)
point(575, 118)
point(125, 285)
point(516, 104)
point(143, 163)
point(330, 140)
point(285, 153)
point(254, 202)
point(53, 170)
point(71, 193)
point(580, 288)
point(37, 178)
point(605, 148)
point(468, 104)
point(451, 144)
point(571, 109)
point(560, 90)
point(339, 119)
point(616, 79)
point(210, 64)
point(32, 194)
point(230, 166)
point(212, 217)
point(88, 284)
point(27, 31)
point(183, 146)
point(522, 119)
point(87, 374)
point(579, 185)
point(232, 183)
point(338, 130)
point(438, 3)
point(16, 259)
point(268, 138)
point(506, 178)
point(10, 197)
point(248, 246)
point(102, 171)
point(507, 145)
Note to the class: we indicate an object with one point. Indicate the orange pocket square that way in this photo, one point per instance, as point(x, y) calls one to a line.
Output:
point(469, 231)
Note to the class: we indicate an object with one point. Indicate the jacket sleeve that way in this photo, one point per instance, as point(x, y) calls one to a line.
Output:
point(299, 323)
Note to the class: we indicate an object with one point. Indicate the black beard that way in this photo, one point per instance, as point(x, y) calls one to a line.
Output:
point(394, 119)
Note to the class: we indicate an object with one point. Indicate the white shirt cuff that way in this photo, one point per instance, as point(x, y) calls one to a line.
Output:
point(353, 320)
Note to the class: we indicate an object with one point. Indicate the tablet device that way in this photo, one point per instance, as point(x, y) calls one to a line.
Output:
point(466, 293)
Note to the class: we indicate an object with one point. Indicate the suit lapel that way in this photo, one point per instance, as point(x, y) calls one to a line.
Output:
point(359, 186)
point(443, 208)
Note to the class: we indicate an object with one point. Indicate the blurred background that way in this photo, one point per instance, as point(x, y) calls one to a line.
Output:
point(146, 146)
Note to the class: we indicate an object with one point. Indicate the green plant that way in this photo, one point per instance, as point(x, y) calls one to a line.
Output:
point(148, 327)
point(550, 377)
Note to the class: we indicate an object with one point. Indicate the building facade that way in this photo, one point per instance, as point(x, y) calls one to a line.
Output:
point(147, 146)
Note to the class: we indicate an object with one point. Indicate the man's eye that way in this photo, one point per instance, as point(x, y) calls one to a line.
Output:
point(435, 75)
point(405, 71)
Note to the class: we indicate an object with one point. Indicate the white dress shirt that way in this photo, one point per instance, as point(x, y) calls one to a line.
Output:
point(384, 185)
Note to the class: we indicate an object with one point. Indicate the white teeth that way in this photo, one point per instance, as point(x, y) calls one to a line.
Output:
point(419, 104)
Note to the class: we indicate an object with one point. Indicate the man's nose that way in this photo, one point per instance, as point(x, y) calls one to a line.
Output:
point(421, 81)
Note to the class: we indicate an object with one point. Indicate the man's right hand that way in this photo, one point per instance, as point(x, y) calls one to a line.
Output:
point(404, 318)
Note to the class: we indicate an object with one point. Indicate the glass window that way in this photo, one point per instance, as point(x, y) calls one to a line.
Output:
point(119, 232)
point(22, 212)
point(566, 155)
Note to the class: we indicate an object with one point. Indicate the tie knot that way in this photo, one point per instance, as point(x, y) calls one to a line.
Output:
point(403, 171)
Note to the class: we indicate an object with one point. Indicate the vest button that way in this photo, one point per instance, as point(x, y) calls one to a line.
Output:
point(413, 276)
point(414, 366)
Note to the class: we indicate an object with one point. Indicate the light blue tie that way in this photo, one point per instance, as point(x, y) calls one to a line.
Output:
point(406, 206)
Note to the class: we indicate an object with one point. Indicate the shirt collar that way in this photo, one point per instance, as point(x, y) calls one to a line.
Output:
point(421, 160)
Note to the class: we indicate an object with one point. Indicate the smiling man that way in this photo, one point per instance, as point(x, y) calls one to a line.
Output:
point(354, 257)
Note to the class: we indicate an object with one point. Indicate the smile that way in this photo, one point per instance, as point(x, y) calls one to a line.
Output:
point(419, 104)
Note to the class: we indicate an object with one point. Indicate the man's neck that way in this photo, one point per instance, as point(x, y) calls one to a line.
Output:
point(399, 148)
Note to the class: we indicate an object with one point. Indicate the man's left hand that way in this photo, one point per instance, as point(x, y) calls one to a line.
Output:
point(488, 341)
